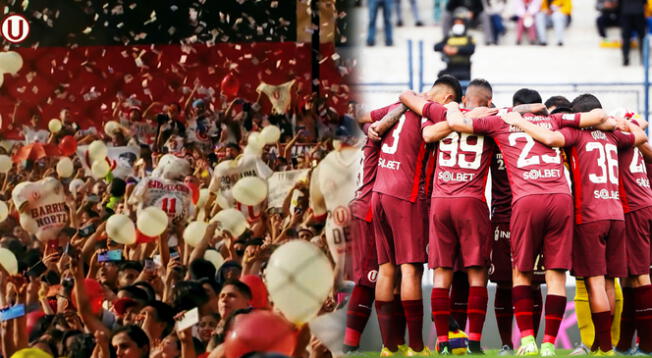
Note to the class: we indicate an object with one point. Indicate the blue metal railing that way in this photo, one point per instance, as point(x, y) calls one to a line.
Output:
point(421, 82)
point(646, 76)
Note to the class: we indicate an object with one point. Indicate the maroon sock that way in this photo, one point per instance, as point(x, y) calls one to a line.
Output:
point(537, 309)
point(522, 298)
point(555, 308)
point(459, 298)
point(602, 324)
point(504, 315)
point(477, 312)
point(413, 310)
point(440, 305)
point(399, 321)
point(357, 314)
point(386, 313)
point(643, 316)
point(627, 327)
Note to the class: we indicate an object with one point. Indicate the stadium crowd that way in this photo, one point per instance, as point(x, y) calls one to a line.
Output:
point(569, 192)
point(77, 284)
point(532, 19)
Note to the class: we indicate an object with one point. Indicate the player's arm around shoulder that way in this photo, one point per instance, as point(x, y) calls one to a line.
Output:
point(436, 132)
point(456, 119)
point(540, 134)
point(593, 118)
point(413, 101)
point(640, 137)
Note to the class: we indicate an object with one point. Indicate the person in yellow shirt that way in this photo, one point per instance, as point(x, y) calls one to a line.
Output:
point(555, 13)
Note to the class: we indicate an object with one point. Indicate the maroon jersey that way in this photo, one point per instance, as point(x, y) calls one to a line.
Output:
point(501, 193)
point(403, 159)
point(635, 190)
point(462, 160)
point(594, 166)
point(532, 168)
point(360, 205)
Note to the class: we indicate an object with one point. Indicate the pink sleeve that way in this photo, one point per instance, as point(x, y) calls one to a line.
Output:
point(488, 125)
point(566, 119)
point(571, 136)
point(435, 112)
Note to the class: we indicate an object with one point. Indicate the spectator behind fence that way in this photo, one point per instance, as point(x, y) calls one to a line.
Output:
point(374, 6)
point(413, 8)
point(479, 17)
point(457, 48)
point(609, 17)
point(495, 9)
point(632, 20)
point(525, 11)
point(556, 14)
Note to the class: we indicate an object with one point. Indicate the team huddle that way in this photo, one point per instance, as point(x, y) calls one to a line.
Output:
point(569, 191)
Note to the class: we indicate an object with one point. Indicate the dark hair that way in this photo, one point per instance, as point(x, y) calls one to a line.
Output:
point(136, 293)
point(147, 287)
point(200, 268)
point(526, 96)
point(211, 282)
point(136, 334)
point(68, 334)
point(82, 346)
point(164, 314)
point(130, 265)
point(51, 341)
point(233, 146)
point(240, 286)
point(91, 213)
point(557, 102)
point(187, 295)
point(220, 276)
point(585, 102)
point(118, 187)
point(41, 326)
point(482, 83)
point(452, 83)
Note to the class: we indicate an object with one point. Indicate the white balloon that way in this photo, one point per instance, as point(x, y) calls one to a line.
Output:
point(65, 167)
point(55, 125)
point(203, 197)
point(121, 229)
point(256, 140)
point(152, 221)
point(28, 223)
point(194, 233)
point(75, 185)
point(299, 278)
point(100, 169)
point(5, 164)
point(111, 127)
point(4, 211)
point(253, 150)
point(214, 257)
point(250, 190)
point(97, 150)
point(231, 220)
point(10, 62)
point(8, 261)
point(270, 134)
